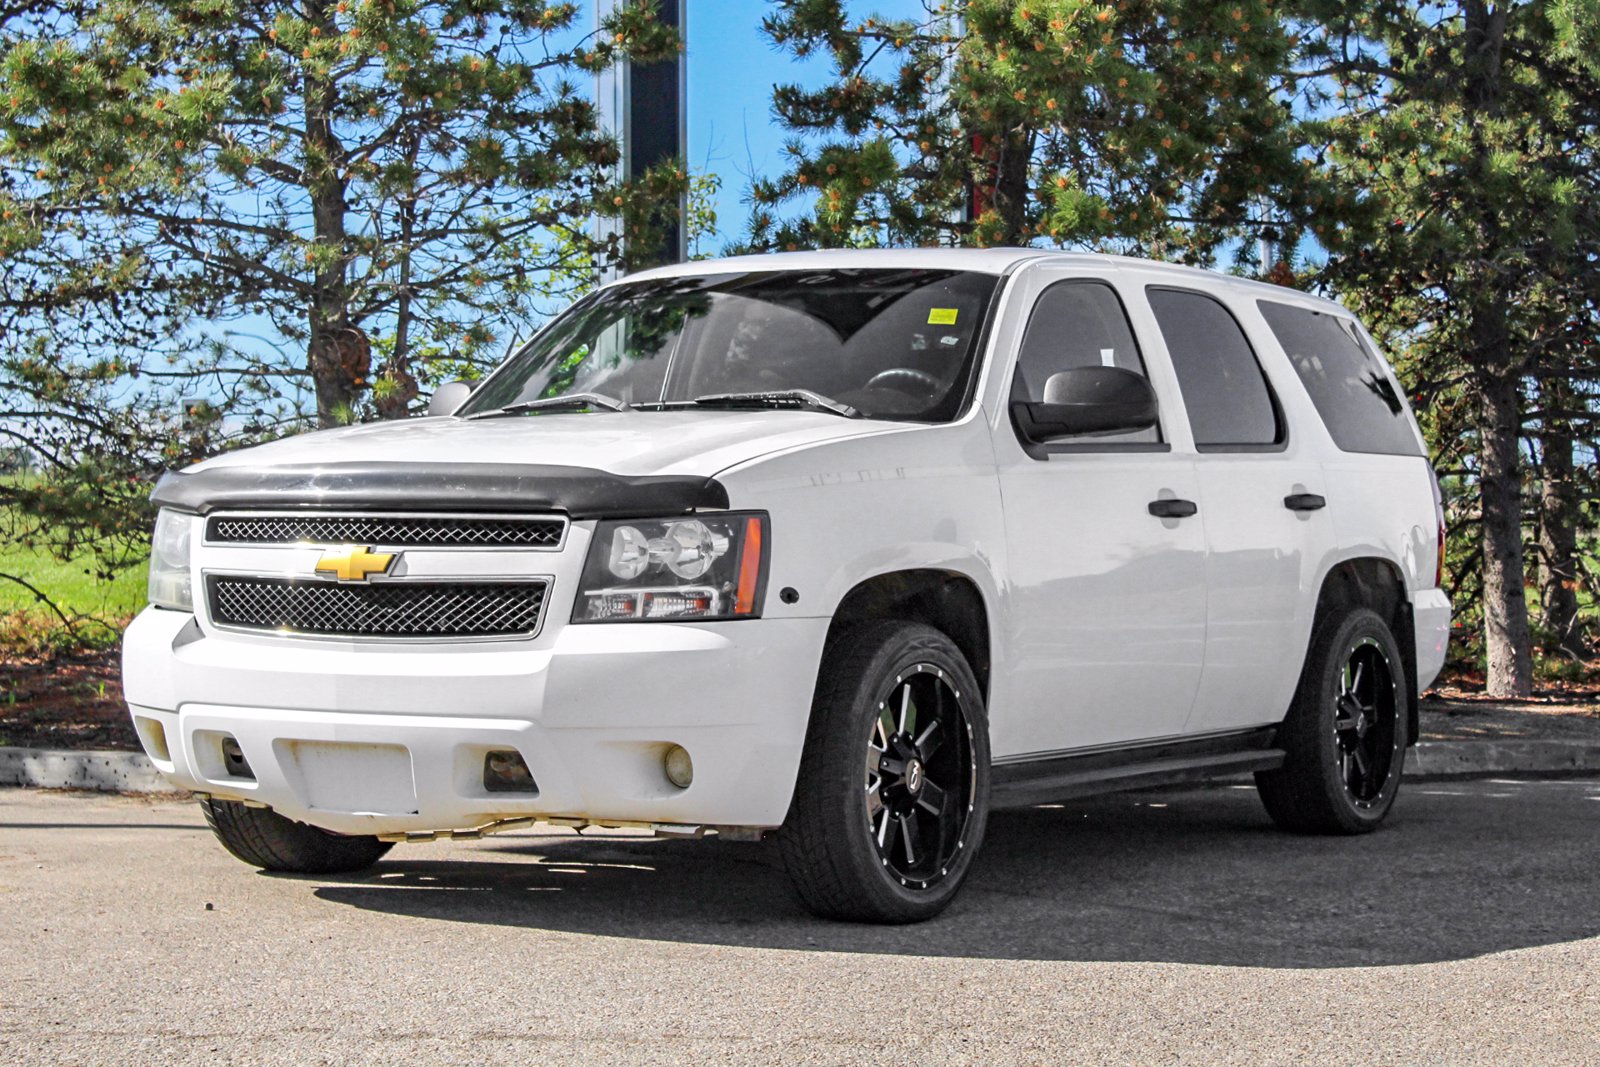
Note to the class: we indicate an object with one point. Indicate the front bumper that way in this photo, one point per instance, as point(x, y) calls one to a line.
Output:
point(365, 739)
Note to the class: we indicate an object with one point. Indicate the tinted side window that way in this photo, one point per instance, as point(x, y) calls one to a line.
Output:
point(1077, 324)
point(1227, 396)
point(1348, 383)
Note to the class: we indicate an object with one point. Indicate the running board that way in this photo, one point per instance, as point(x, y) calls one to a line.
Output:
point(1081, 774)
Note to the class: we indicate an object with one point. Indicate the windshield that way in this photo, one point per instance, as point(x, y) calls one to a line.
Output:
point(892, 344)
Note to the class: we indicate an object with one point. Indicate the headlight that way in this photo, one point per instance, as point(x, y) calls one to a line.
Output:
point(169, 562)
point(691, 567)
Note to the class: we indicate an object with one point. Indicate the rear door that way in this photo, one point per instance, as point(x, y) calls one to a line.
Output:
point(1266, 522)
point(1106, 601)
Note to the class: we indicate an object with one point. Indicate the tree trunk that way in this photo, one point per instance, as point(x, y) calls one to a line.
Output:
point(1507, 638)
point(395, 403)
point(339, 355)
point(1011, 186)
point(1558, 527)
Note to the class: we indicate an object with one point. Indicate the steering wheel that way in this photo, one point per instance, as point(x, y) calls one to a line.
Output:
point(905, 380)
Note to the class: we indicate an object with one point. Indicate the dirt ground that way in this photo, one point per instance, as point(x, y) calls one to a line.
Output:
point(70, 701)
point(76, 702)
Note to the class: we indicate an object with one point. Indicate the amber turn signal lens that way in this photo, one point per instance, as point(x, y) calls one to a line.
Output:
point(744, 601)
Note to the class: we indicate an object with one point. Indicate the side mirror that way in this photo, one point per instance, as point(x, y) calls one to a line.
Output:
point(448, 397)
point(1088, 400)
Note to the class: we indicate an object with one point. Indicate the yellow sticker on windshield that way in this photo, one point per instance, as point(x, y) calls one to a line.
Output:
point(942, 317)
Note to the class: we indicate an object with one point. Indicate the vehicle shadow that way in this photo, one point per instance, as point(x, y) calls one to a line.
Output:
point(1195, 876)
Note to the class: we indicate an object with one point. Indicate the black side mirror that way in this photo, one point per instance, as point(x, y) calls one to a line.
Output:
point(1088, 400)
point(448, 397)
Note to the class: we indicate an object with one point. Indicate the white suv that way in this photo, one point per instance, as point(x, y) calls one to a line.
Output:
point(850, 546)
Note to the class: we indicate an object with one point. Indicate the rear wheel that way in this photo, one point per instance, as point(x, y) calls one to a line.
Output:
point(265, 839)
point(892, 798)
point(1345, 734)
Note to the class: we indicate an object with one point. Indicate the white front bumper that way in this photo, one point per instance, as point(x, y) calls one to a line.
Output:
point(382, 740)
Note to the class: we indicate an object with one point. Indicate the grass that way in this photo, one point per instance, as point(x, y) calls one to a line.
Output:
point(29, 626)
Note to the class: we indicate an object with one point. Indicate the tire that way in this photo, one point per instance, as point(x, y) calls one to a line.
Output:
point(1345, 734)
point(263, 838)
point(893, 792)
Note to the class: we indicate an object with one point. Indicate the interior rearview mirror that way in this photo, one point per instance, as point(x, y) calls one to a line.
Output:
point(1088, 400)
point(448, 397)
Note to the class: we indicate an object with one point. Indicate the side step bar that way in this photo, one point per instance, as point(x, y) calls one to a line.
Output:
point(1067, 775)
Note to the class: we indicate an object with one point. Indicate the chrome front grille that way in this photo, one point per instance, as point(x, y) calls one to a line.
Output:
point(395, 610)
point(390, 531)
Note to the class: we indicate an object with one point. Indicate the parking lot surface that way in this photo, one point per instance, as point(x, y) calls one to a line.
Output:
point(1168, 927)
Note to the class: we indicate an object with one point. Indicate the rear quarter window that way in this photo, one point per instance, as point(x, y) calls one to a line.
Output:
point(1348, 382)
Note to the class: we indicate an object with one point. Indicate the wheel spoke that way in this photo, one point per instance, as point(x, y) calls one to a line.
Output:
point(908, 710)
point(1355, 681)
point(932, 799)
point(1360, 759)
point(1343, 719)
point(886, 829)
point(874, 799)
point(908, 831)
point(928, 743)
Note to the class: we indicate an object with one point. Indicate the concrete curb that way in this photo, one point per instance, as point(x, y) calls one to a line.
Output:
point(132, 772)
point(1457, 759)
point(102, 771)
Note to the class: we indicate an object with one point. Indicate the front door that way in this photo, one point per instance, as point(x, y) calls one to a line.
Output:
point(1107, 600)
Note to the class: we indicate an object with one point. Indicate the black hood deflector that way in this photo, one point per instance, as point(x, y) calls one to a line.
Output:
point(580, 492)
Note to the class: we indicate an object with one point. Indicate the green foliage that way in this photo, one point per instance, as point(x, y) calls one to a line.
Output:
point(1577, 25)
point(215, 211)
point(1151, 126)
point(343, 169)
point(1463, 219)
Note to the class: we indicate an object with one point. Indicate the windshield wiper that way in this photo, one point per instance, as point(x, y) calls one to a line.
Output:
point(570, 402)
point(803, 399)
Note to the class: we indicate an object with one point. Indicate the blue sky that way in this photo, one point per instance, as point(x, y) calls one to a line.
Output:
point(732, 69)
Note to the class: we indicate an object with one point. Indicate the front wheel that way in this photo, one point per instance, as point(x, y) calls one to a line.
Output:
point(1345, 734)
point(263, 838)
point(893, 792)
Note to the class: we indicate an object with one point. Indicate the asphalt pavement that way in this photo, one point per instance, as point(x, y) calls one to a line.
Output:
point(1169, 927)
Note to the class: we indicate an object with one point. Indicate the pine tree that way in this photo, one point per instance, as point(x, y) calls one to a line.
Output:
point(1464, 145)
point(1144, 125)
point(409, 171)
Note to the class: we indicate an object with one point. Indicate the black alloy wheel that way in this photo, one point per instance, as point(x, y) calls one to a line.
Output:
point(921, 777)
point(891, 800)
point(1344, 738)
point(1364, 722)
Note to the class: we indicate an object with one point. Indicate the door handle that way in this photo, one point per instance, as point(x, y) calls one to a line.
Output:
point(1173, 509)
point(1304, 502)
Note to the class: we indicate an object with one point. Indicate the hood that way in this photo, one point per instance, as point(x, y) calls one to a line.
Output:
point(628, 443)
point(596, 465)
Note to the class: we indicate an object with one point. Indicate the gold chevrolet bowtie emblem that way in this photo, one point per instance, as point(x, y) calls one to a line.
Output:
point(353, 563)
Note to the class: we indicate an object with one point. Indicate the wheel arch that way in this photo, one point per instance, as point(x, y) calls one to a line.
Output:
point(949, 601)
point(1379, 584)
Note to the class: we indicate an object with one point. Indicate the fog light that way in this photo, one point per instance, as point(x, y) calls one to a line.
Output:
point(679, 768)
point(505, 771)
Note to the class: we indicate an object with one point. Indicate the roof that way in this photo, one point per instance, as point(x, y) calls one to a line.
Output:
point(980, 260)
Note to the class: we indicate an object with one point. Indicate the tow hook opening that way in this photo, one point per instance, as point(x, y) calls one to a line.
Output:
point(505, 771)
point(233, 761)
